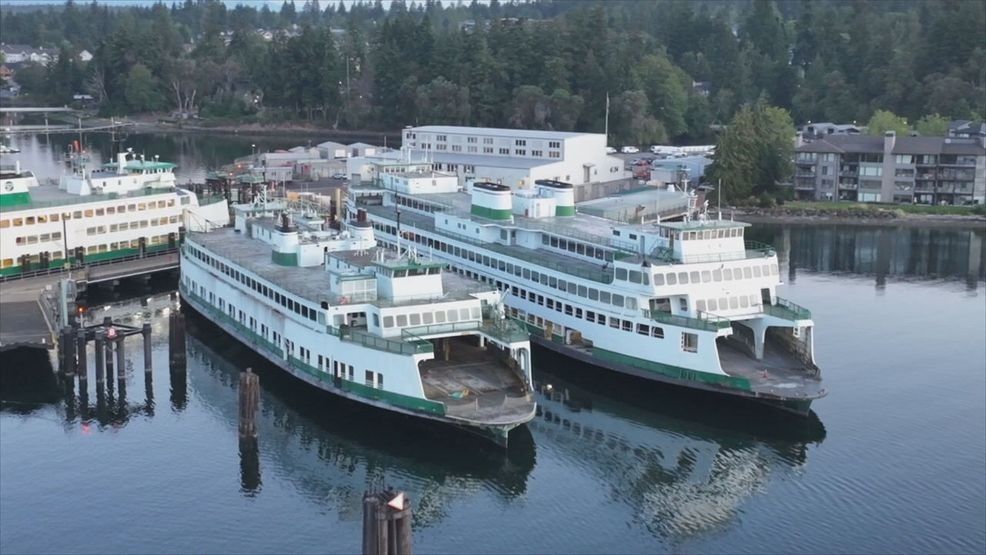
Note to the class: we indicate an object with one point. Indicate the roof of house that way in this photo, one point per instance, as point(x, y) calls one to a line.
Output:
point(496, 132)
point(902, 145)
point(362, 145)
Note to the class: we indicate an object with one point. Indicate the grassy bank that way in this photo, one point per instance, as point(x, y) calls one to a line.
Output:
point(873, 208)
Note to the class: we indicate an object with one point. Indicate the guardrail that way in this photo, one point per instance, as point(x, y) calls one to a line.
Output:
point(505, 330)
point(379, 343)
point(706, 321)
point(783, 308)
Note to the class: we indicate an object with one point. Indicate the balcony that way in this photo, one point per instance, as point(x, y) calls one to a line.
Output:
point(785, 309)
point(705, 322)
point(848, 186)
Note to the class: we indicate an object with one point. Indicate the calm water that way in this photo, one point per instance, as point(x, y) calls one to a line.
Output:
point(894, 459)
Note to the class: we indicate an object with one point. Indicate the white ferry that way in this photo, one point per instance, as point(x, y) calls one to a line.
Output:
point(689, 303)
point(127, 208)
point(334, 310)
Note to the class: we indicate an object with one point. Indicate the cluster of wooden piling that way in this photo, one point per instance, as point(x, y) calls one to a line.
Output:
point(176, 340)
point(249, 402)
point(386, 529)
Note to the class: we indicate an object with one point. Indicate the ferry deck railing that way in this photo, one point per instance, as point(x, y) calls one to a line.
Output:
point(706, 321)
point(783, 308)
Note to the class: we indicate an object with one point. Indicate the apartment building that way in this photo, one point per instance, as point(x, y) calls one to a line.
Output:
point(516, 157)
point(922, 170)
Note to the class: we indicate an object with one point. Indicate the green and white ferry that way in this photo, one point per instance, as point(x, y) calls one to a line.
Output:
point(129, 208)
point(336, 311)
point(689, 303)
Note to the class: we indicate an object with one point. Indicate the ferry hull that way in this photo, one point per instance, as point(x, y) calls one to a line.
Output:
point(798, 406)
point(497, 434)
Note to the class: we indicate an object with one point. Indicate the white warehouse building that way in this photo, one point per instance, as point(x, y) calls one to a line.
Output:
point(517, 157)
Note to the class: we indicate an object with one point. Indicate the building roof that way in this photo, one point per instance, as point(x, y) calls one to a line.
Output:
point(902, 145)
point(497, 132)
point(362, 145)
point(331, 144)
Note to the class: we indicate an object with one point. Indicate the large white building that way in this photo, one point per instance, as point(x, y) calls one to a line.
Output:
point(516, 157)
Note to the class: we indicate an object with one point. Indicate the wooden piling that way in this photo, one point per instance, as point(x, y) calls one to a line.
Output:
point(145, 331)
point(249, 401)
point(100, 358)
point(386, 530)
point(176, 340)
point(121, 359)
point(67, 352)
point(82, 366)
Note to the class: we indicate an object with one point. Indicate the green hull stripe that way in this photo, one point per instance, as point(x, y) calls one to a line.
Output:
point(670, 371)
point(15, 199)
point(491, 213)
point(564, 210)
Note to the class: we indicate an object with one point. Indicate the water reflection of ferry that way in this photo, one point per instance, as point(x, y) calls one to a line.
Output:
point(335, 450)
point(682, 468)
point(924, 253)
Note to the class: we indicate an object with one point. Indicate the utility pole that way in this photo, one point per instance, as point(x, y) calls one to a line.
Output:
point(607, 119)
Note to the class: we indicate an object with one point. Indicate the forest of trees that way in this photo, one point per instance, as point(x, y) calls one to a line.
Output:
point(672, 70)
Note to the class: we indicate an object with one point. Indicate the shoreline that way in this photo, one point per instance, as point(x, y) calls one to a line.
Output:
point(971, 222)
point(253, 129)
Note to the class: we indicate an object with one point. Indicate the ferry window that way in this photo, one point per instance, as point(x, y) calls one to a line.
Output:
point(700, 305)
point(77, 214)
point(464, 312)
point(617, 299)
point(369, 378)
point(440, 317)
point(540, 300)
point(590, 315)
point(44, 237)
point(88, 213)
point(453, 315)
point(658, 279)
point(111, 210)
point(689, 342)
point(621, 274)
point(352, 372)
point(578, 313)
point(757, 272)
point(428, 318)
point(568, 309)
point(7, 262)
point(706, 276)
point(527, 274)
point(4, 224)
point(604, 297)
point(552, 282)
point(627, 325)
point(29, 220)
point(401, 320)
point(683, 304)
point(100, 212)
point(646, 279)
point(114, 227)
point(54, 217)
point(733, 303)
point(672, 279)
point(727, 274)
point(593, 294)
point(744, 302)
point(723, 303)
point(682, 277)
point(773, 270)
point(388, 321)
point(717, 275)
point(643, 329)
point(657, 332)
point(747, 273)
point(583, 291)
point(632, 303)
point(415, 320)
point(571, 288)
point(614, 322)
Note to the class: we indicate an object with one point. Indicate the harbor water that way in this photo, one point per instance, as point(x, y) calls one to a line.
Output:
point(893, 460)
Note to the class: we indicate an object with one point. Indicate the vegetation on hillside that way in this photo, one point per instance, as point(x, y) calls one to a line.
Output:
point(671, 70)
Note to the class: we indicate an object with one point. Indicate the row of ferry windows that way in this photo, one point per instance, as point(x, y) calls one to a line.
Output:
point(78, 214)
point(704, 276)
point(727, 303)
point(269, 292)
point(576, 247)
point(427, 318)
point(100, 229)
point(340, 369)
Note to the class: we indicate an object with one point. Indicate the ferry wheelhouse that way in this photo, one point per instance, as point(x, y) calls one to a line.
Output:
point(388, 330)
point(128, 208)
point(690, 303)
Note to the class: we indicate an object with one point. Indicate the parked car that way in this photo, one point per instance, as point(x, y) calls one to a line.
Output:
point(610, 150)
point(340, 176)
point(629, 150)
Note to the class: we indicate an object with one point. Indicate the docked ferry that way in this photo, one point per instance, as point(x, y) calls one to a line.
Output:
point(127, 208)
point(690, 303)
point(380, 327)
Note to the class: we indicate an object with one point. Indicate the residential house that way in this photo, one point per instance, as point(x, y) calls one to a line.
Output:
point(922, 170)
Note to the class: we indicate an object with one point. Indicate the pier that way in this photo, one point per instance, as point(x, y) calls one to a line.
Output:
point(34, 308)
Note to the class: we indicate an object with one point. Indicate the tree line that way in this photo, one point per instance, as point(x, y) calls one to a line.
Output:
point(667, 70)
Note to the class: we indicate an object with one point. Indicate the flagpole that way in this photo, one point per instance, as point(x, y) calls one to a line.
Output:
point(607, 118)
